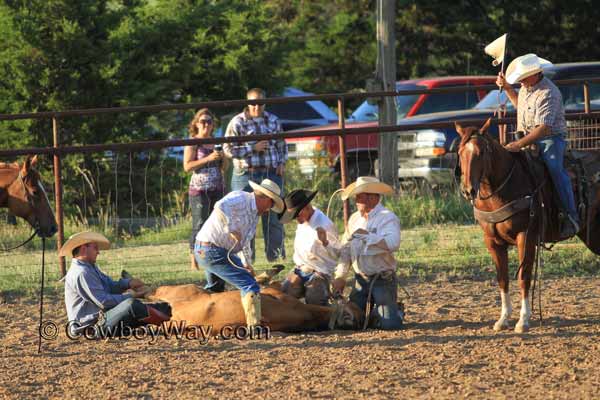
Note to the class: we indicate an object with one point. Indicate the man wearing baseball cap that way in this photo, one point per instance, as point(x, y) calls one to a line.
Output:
point(94, 300)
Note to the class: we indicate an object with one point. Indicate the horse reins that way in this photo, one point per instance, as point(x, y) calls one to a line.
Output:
point(35, 231)
point(31, 204)
point(539, 245)
point(504, 182)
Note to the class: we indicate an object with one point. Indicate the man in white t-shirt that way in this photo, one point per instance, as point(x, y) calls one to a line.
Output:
point(316, 247)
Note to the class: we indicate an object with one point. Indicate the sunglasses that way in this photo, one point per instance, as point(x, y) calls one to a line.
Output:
point(206, 121)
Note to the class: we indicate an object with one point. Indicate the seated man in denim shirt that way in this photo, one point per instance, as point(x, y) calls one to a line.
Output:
point(94, 300)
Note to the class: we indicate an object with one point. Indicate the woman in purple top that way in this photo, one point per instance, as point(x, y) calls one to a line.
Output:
point(207, 165)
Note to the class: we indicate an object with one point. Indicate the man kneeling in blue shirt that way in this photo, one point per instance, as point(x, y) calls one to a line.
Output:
point(97, 302)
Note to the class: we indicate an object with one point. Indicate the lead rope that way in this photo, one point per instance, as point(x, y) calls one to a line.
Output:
point(537, 280)
point(369, 297)
point(42, 296)
point(22, 244)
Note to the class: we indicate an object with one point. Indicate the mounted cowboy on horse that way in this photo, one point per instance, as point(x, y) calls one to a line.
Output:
point(519, 200)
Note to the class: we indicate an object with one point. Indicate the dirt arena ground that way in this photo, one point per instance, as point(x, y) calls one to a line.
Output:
point(448, 350)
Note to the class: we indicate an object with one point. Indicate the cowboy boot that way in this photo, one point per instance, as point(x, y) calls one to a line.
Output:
point(155, 316)
point(252, 309)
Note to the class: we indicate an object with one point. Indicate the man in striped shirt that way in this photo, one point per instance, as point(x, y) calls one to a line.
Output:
point(257, 160)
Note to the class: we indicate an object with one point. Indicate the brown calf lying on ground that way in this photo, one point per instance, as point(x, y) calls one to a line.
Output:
point(280, 312)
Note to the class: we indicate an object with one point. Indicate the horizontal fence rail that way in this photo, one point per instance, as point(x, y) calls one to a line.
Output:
point(583, 135)
point(159, 144)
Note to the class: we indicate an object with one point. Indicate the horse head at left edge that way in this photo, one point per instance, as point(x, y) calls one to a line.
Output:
point(22, 192)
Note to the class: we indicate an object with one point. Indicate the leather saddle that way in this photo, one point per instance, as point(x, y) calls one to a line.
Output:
point(583, 169)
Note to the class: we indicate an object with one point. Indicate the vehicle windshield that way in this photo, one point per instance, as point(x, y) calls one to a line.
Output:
point(491, 101)
point(370, 112)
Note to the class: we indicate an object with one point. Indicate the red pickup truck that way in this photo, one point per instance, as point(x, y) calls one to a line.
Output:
point(361, 150)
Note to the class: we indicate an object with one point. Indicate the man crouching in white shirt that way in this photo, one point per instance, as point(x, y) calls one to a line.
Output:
point(369, 243)
point(229, 230)
point(316, 248)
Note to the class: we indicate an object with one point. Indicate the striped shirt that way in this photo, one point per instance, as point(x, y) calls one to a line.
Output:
point(541, 104)
point(243, 154)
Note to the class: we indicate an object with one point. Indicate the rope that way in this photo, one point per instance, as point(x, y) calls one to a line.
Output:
point(330, 199)
point(369, 298)
point(42, 296)
point(538, 265)
point(21, 245)
point(235, 243)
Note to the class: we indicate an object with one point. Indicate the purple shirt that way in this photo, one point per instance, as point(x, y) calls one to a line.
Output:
point(208, 177)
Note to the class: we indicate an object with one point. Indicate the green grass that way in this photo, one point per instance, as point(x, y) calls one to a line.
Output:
point(439, 240)
point(161, 257)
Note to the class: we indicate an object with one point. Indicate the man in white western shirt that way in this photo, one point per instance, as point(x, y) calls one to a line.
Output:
point(229, 230)
point(368, 245)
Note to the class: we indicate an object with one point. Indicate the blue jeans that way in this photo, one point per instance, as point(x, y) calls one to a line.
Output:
point(125, 314)
point(215, 261)
point(201, 206)
point(314, 288)
point(272, 229)
point(385, 298)
point(552, 149)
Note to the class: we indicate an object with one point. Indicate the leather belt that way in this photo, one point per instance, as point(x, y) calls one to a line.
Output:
point(253, 169)
point(207, 244)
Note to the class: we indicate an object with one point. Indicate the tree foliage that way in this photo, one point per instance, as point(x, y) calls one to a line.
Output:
point(75, 54)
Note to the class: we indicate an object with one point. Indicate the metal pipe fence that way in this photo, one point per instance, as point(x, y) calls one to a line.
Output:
point(125, 169)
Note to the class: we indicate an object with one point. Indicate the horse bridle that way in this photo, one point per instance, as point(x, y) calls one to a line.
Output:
point(487, 150)
point(36, 228)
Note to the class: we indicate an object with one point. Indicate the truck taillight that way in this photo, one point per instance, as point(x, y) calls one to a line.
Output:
point(430, 152)
point(319, 146)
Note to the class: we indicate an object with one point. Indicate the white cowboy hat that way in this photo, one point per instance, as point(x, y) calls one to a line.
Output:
point(271, 190)
point(79, 239)
point(525, 66)
point(366, 184)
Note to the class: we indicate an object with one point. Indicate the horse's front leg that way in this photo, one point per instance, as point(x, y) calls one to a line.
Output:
point(526, 258)
point(499, 253)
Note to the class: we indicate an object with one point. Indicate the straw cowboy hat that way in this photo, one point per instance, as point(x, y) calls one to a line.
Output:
point(366, 184)
point(524, 66)
point(295, 201)
point(271, 190)
point(79, 239)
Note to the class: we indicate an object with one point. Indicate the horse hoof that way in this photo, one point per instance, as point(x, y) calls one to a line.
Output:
point(521, 328)
point(500, 326)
